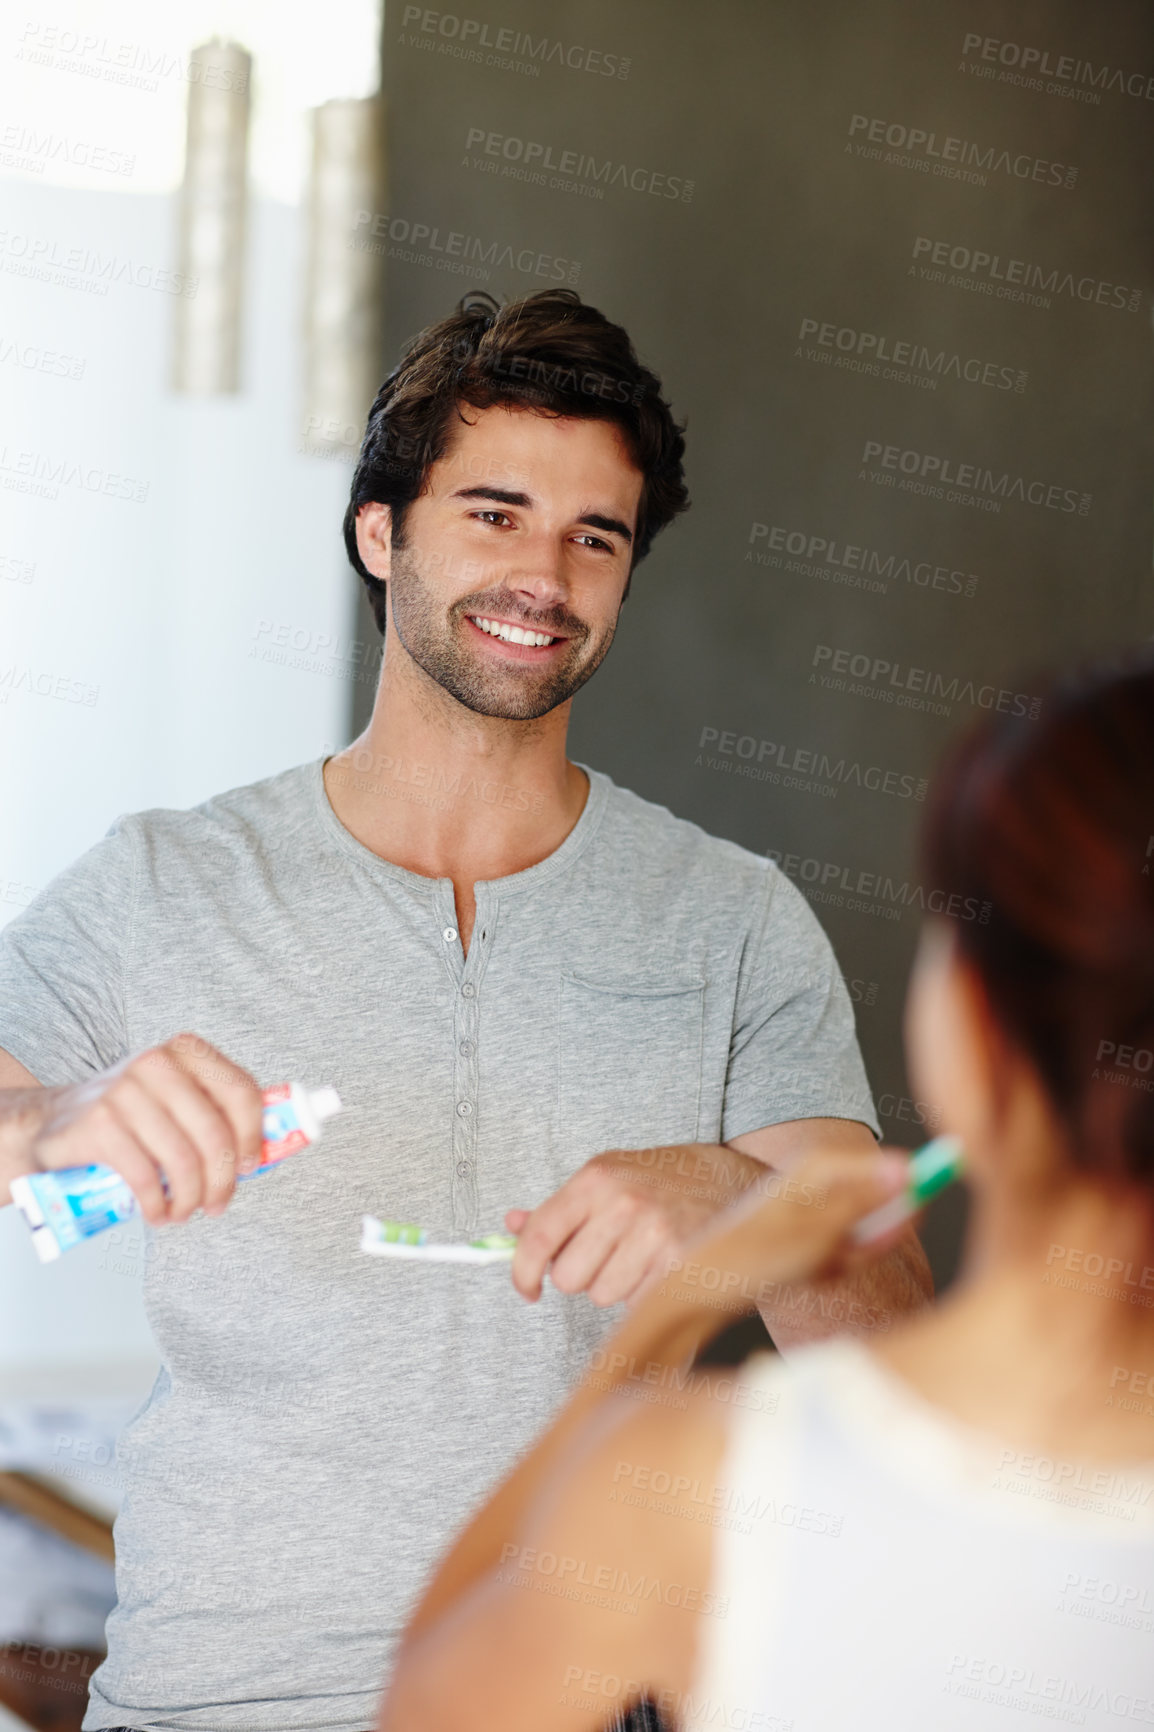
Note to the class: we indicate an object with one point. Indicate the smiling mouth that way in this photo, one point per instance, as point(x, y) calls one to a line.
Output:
point(526, 637)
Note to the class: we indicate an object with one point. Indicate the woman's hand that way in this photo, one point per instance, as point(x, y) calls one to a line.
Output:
point(791, 1226)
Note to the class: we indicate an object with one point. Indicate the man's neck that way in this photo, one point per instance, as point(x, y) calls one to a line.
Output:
point(447, 793)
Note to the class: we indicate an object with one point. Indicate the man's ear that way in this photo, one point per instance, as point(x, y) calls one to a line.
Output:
point(374, 544)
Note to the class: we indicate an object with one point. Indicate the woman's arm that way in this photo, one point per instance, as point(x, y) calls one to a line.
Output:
point(470, 1623)
point(593, 1601)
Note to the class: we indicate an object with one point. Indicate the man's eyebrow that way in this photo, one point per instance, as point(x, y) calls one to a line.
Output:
point(502, 496)
point(613, 525)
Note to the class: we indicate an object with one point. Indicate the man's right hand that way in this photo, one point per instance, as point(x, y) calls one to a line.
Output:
point(181, 1112)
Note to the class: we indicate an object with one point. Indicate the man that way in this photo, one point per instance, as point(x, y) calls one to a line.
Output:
point(507, 966)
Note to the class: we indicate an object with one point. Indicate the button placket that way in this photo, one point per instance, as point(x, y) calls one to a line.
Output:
point(465, 1088)
point(463, 1183)
point(466, 1067)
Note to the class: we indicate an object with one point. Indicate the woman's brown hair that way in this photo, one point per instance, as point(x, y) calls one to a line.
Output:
point(1052, 822)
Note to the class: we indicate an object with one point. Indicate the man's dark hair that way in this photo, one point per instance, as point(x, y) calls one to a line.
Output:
point(548, 352)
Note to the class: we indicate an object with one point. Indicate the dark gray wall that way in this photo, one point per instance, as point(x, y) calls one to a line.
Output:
point(787, 212)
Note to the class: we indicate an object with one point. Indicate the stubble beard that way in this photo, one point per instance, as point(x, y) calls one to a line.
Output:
point(436, 641)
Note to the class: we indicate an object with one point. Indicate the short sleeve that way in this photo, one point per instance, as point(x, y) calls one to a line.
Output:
point(64, 962)
point(794, 1051)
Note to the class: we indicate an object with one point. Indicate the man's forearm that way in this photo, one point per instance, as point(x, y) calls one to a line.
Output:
point(871, 1300)
point(704, 1177)
point(21, 1113)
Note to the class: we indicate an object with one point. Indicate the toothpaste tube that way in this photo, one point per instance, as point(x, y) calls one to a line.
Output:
point(64, 1207)
point(292, 1119)
point(401, 1239)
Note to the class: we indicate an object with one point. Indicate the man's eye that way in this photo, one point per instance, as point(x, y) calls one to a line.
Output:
point(595, 541)
point(485, 516)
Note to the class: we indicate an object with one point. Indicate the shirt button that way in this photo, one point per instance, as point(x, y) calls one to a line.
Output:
point(449, 934)
point(464, 1169)
point(468, 990)
point(464, 1108)
point(466, 1049)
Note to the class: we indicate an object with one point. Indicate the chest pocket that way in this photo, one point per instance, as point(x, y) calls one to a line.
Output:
point(629, 1069)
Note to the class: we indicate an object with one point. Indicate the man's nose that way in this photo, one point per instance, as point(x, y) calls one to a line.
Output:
point(540, 577)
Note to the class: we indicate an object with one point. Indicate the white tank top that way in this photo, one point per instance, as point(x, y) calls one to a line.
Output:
point(879, 1567)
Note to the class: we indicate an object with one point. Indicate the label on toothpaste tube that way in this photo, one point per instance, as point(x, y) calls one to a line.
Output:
point(280, 1126)
point(66, 1206)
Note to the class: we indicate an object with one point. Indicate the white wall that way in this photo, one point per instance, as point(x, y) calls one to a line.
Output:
point(149, 607)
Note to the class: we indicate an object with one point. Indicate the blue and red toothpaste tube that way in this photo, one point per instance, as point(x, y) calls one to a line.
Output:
point(65, 1207)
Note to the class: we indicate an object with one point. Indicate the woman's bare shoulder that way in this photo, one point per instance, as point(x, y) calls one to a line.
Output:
point(622, 1516)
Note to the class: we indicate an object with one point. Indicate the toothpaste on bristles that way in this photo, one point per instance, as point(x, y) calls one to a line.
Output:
point(402, 1239)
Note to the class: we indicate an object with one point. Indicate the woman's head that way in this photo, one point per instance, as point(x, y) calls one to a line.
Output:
point(1051, 824)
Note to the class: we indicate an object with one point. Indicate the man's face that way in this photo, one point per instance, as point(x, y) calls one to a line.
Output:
point(525, 527)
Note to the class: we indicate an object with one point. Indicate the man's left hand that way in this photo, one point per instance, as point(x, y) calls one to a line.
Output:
point(622, 1215)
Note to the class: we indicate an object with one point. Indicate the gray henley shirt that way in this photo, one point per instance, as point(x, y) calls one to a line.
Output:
point(323, 1422)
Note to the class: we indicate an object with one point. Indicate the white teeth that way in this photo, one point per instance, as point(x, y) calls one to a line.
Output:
point(512, 633)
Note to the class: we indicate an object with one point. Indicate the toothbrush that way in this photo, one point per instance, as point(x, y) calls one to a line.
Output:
point(932, 1167)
